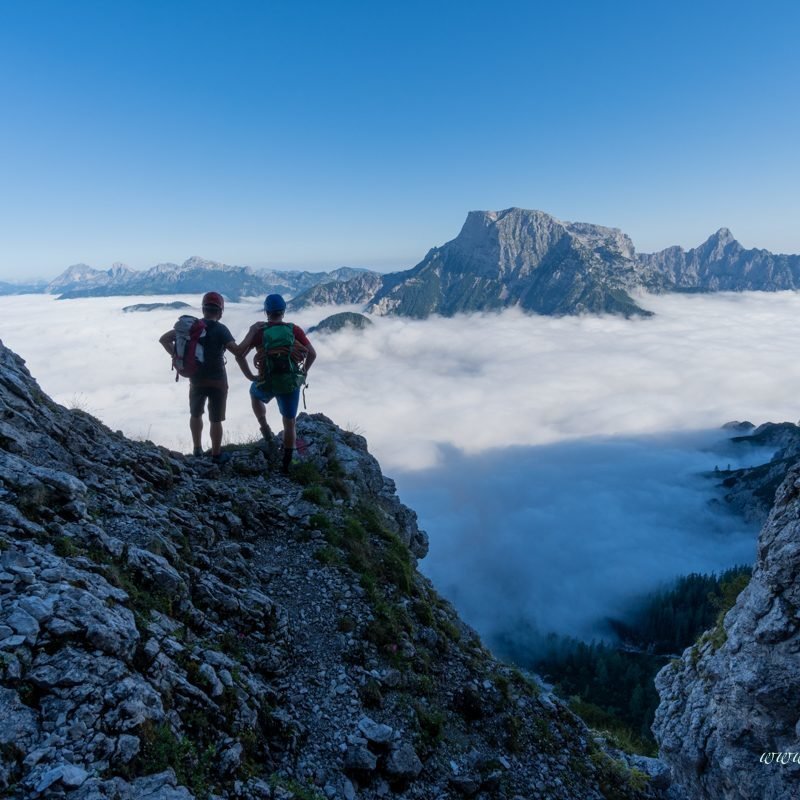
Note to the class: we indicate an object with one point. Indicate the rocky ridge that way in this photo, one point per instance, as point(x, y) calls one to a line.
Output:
point(170, 630)
point(728, 724)
point(358, 290)
point(751, 491)
point(722, 264)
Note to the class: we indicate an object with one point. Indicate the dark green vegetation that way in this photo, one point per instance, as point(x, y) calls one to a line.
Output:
point(610, 685)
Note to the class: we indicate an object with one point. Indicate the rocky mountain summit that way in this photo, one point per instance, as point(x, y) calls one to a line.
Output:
point(170, 629)
point(519, 258)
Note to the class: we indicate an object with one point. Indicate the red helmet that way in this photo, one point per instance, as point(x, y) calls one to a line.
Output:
point(213, 299)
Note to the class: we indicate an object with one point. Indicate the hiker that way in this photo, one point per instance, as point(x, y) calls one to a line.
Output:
point(209, 381)
point(283, 357)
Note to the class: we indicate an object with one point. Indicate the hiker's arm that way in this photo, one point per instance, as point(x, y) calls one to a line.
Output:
point(167, 341)
point(310, 358)
point(241, 352)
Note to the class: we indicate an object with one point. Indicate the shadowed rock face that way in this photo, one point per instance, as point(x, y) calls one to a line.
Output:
point(171, 629)
point(735, 695)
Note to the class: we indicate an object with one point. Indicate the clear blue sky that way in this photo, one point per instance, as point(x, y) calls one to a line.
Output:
point(316, 134)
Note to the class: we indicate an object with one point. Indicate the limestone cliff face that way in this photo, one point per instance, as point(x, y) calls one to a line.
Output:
point(735, 694)
point(518, 257)
point(172, 630)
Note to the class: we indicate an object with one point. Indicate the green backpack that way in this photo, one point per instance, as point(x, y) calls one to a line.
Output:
point(282, 371)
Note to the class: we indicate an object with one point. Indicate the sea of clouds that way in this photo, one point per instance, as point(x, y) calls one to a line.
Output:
point(555, 462)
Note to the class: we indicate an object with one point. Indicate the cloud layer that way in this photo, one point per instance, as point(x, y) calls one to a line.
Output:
point(564, 536)
point(553, 461)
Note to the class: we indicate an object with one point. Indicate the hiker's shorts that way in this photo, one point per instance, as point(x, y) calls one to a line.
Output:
point(287, 403)
point(217, 399)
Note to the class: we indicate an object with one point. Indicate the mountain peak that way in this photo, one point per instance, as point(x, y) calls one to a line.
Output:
point(723, 235)
point(717, 244)
point(197, 262)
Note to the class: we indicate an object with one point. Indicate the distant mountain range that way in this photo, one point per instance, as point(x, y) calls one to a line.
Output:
point(515, 257)
point(196, 275)
point(193, 276)
point(536, 262)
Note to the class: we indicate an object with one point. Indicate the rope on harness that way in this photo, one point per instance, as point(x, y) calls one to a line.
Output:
point(304, 397)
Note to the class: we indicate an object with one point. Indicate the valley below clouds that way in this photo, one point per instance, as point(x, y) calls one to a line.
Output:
point(556, 462)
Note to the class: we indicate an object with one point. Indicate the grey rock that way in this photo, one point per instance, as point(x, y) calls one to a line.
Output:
point(348, 790)
point(230, 759)
point(69, 775)
point(359, 759)
point(127, 747)
point(466, 785)
point(403, 762)
point(375, 732)
point(24, 624)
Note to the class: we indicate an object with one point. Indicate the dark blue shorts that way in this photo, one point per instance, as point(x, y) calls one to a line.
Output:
point(287, 403)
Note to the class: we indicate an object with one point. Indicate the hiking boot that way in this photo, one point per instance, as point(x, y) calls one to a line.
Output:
point(197, 452)
point(267, 433)
point(286, 460)
point(221, 458)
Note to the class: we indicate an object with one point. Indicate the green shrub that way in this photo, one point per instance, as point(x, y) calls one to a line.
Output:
point(315, 493)
point(305, 472)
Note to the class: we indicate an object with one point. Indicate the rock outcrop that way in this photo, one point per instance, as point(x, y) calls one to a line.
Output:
point(751, 490)
point(338, 322)
point(170, 629)
point(729, 720)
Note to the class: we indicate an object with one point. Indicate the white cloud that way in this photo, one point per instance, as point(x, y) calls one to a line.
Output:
point(441, 400)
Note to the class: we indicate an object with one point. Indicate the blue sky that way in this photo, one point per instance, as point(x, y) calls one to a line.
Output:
point(318, 134)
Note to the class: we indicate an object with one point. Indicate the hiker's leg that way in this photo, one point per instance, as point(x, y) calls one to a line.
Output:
point(287, 404)
point(197, 407)
point(217, 399)
point(196, 427)
point(215, 430)
point(260, 410)
point(258, 400)
point(289, 433)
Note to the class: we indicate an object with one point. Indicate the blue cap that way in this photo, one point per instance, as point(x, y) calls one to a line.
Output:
point(274, 303)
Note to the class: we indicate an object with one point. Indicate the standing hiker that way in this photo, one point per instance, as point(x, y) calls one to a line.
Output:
point(199, 354)
point(283, 357)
